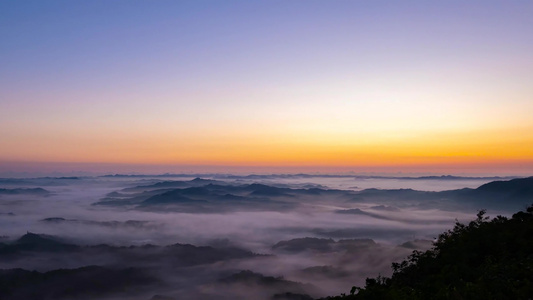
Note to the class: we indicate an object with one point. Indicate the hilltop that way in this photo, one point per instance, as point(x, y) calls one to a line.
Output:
point(485, 259)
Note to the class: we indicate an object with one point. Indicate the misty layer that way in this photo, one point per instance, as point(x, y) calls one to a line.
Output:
point(178, 269)
point(224, 237)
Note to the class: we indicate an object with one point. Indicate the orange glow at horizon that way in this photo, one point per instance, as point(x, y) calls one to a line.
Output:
point(309, 85)
point(271, 149)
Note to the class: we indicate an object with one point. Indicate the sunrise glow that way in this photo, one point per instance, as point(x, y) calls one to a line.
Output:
point(353, 86)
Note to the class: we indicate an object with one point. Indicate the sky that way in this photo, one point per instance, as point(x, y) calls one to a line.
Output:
point(332, 86)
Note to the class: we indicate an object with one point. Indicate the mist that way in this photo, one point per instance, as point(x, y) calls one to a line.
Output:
point(229, 236)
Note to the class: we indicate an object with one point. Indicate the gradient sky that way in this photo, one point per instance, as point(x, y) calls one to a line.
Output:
point(336, 85)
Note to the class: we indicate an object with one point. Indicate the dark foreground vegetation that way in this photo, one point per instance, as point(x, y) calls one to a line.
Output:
point(485, 259)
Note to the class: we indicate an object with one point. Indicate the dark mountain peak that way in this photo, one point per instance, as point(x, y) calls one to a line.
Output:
point(30, 238)
point(54, 219)
point(157, 185)
point(513, 185)
point(265, 190)
point(517, 191)
point(170, 197)
point(203, 182)
point(41, 242)
point(90, 282)
point(389, 191)
point(24, 191)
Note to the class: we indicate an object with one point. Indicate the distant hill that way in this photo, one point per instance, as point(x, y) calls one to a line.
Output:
point(323, 245)
point(515, 188)
point(508, 195)
point(197, 182)
point(282, 286)
point(36, 242)
point(31, 245)
point(212, 196)
point(25, 191)
point(137, 224)
point(89, 282)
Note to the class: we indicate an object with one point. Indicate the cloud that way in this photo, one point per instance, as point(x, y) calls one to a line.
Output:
point(189, 234)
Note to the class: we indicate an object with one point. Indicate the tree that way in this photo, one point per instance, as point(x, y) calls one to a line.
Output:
point(484, 259)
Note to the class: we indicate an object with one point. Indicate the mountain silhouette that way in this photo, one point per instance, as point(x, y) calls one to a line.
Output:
point(25, 191)
point(37, 242)
point(82, 283)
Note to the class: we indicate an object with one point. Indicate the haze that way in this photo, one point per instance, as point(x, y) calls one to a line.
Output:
point(226, 236)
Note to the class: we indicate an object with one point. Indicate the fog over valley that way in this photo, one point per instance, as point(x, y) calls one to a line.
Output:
point(226, 236)
point(266, 150)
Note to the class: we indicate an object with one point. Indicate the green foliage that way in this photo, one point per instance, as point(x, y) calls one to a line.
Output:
point(485, 259)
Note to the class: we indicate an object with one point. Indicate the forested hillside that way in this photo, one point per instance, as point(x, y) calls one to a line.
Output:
point(485, 259)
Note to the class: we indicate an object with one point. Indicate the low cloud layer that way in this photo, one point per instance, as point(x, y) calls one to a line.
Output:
point(230, 236)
